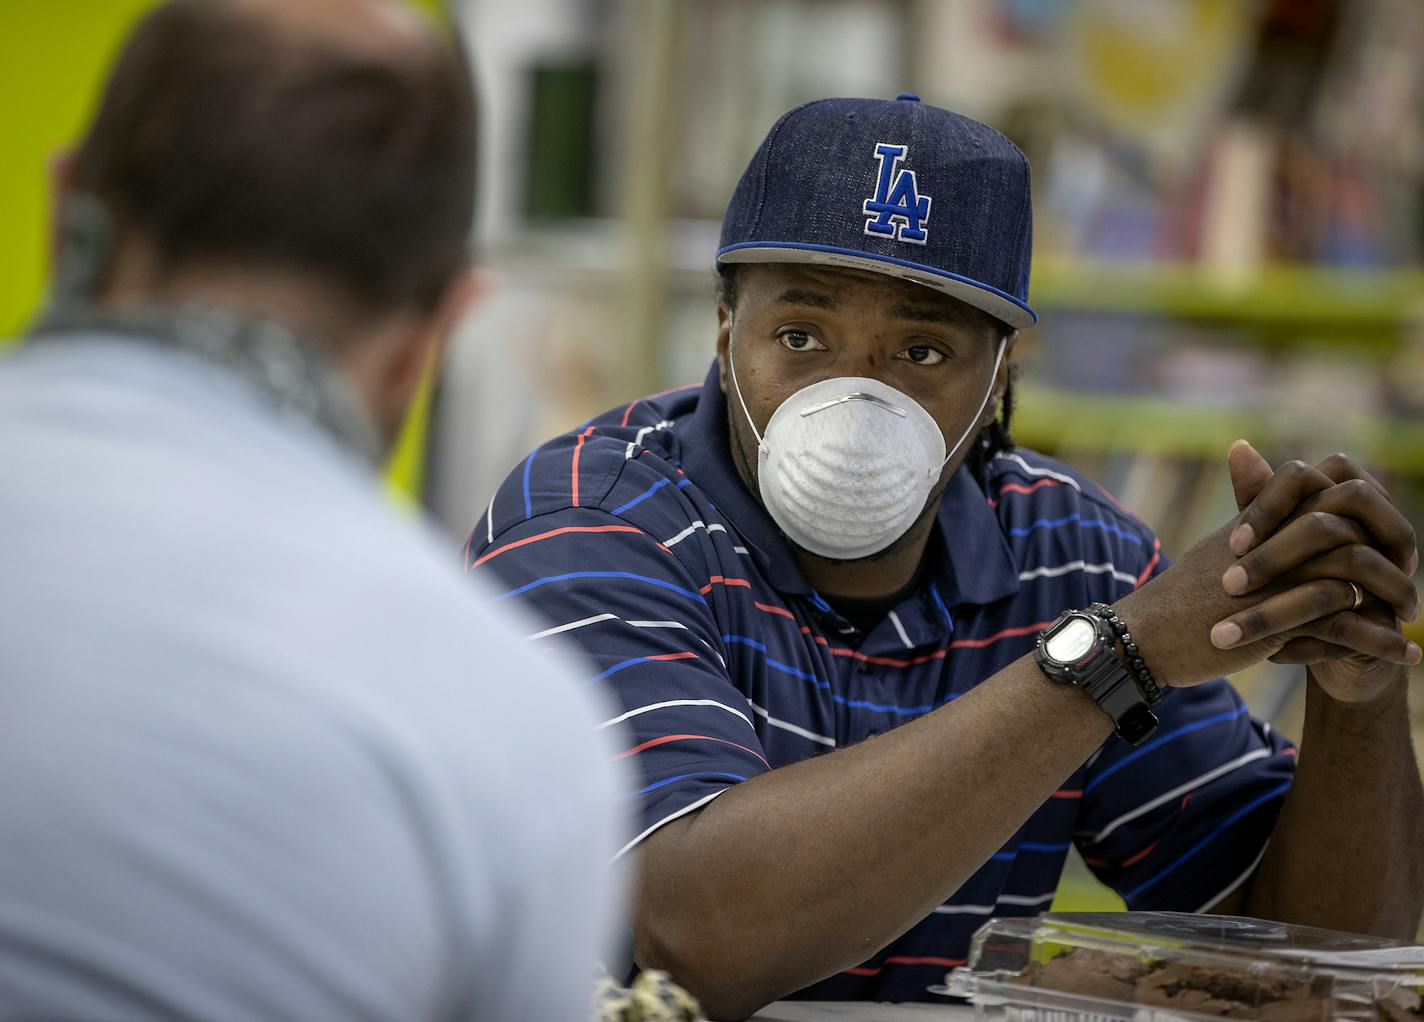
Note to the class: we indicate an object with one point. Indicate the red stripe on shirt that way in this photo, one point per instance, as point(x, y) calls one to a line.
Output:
point(719, 580)
point(939, 654)
point(1115, 502)
point(1133, 860)
point(884, 661)
point(1068, 793)
point(946, 963)
point(559, 532)
point(629, 410)
point(1020, 488)
point(651, 743)
point(775, 610)
point(578, 446)
point(1147, 571)
point(1007, 633)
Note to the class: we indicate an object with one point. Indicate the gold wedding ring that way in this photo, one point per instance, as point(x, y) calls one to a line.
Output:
point(1359, 596)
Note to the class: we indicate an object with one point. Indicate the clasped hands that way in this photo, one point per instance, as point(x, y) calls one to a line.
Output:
point(1316, 569)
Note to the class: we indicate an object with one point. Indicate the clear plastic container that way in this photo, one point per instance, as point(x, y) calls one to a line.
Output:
point(1178, 967)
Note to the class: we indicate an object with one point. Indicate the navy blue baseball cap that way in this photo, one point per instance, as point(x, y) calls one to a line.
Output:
point(896, 187)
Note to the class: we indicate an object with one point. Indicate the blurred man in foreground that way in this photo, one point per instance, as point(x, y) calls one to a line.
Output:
point(880, 670)
point(265, 755)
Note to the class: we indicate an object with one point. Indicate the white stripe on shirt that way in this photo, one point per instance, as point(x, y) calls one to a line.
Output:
point(1069, 480)
point(900, 630)
point(571, 626)
point(793, 728)
point(582, 622)
point(489, 518)
point(699, 524)
point(1106, 568)
point(1004, 899)
point(666, 820)
point(638, 437)
point(674, 702)
point(1181, 789)
point(1231, 887)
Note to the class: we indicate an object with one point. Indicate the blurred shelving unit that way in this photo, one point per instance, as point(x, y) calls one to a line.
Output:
point(1363, 308)
point(1288, 310)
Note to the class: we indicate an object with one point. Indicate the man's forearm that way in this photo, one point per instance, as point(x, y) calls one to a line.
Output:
point(812, 868)
point(1348, 851)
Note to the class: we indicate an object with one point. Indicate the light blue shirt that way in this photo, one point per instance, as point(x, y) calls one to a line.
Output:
point(264, 752)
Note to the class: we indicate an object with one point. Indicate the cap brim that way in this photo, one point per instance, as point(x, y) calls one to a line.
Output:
point(988, 299)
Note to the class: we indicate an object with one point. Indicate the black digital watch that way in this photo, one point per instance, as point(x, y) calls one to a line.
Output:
point(1080, 648)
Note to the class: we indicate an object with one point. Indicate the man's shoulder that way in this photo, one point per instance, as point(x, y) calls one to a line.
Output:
point(627, 459)
point(1029, 489)
point(1049, 482)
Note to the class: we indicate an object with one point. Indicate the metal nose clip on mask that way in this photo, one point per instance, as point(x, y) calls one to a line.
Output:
point(846, 465)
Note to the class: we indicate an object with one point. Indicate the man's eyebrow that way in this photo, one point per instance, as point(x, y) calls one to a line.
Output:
point(815, 299)
point(930, 314)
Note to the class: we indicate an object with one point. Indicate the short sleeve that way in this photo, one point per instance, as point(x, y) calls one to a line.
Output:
point(639, 618)
point(1179, 822)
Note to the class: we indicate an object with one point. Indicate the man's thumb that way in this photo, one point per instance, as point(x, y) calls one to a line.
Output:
point(1249, 472)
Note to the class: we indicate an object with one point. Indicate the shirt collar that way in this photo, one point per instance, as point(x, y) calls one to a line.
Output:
point(976, 563)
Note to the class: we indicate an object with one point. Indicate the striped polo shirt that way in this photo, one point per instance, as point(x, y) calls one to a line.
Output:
point(636, 540)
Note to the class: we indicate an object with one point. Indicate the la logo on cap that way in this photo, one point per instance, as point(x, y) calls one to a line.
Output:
point(897, 210)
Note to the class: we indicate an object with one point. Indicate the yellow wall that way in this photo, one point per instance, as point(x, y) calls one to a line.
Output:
point(53, 58)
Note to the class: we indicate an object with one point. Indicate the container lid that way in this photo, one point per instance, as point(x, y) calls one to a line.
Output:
point(1094, 967)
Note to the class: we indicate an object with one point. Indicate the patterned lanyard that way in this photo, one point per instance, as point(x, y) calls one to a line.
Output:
point(294, 378)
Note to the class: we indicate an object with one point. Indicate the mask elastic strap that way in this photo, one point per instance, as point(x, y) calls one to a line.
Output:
point(732, 368)
point(1003, 341)
point(993, 375)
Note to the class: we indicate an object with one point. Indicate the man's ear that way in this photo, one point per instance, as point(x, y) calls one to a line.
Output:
point(389, 367)
point(460, 298)
point(424, 338)
point(724, 343)
point(1001, 381)
point(61, 171)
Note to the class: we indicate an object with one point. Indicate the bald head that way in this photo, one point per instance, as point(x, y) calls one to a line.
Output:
point(334, 138)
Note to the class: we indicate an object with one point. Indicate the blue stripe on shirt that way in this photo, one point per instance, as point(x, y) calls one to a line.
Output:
point(642, 496)
point(1221, 828)
point(598, 574)
point(1163, 739)
point(857, 704)
point(682, 777)
point(1084, 523)
point(528, 504)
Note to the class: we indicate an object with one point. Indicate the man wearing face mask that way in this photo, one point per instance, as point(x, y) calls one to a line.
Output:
point(239, 687)
point(879, 669)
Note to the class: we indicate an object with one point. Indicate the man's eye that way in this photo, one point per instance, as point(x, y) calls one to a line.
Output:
point(799, 340)
point(923, 355)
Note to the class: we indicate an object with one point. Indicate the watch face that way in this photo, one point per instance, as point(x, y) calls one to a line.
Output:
point(1072, 641)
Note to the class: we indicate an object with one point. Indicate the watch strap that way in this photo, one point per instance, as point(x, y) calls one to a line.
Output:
point(1109, 682)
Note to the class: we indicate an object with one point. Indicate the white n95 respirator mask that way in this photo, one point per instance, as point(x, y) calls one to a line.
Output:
point(846, 465)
